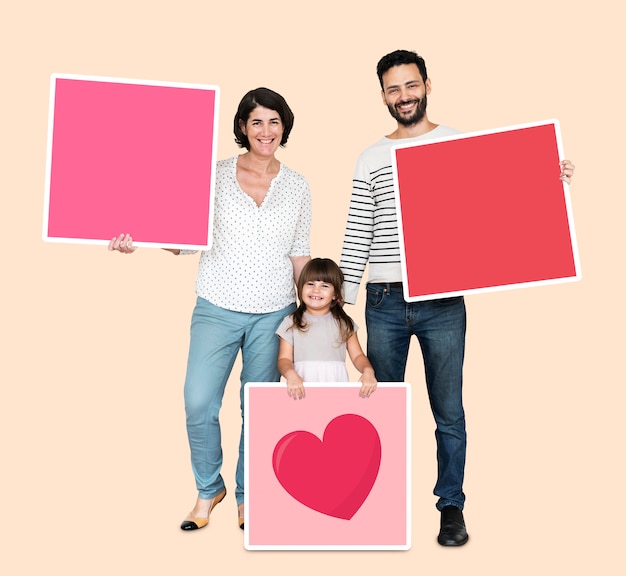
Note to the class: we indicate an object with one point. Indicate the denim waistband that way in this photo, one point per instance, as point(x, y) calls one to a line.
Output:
point(387, 285)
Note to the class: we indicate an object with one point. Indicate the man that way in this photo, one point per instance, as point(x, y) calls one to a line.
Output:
point(439, 324)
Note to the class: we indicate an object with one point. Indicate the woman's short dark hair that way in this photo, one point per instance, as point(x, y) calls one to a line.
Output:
point(396, 59)
point(268, 99)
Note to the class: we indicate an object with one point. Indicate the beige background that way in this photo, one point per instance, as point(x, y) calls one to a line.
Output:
point(95, 465)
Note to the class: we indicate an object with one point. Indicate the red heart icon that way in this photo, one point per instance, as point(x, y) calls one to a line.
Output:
point(333, 476)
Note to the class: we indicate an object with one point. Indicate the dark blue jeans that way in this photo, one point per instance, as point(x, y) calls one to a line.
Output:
point(440, 329)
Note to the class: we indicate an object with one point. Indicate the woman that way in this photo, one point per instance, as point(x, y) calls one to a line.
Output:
point(245, 284)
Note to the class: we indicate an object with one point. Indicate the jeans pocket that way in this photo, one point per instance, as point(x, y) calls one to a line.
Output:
point(375, 296)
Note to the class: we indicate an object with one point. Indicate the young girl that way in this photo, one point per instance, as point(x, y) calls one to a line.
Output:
point(314, 339)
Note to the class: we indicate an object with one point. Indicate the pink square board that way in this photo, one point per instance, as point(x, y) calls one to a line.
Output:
point(329, 472)
point(130, 156)
point(484, 211)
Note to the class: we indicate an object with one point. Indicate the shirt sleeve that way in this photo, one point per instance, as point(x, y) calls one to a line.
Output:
point(301, 241)
point(359, 232)
point(285, 330)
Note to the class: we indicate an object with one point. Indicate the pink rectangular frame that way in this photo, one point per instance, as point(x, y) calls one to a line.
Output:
point(277, 521)
point(130, 156)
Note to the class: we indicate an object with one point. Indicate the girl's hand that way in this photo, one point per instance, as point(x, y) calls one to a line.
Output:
point(295, 387)
point(123, 243)
point(567, 171)
point(368, 384)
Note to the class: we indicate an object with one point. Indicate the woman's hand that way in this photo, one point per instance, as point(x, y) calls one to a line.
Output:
point(123, 243)
point(567, 171)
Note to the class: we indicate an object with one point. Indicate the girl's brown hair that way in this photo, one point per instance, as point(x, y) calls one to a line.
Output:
point(324, 270)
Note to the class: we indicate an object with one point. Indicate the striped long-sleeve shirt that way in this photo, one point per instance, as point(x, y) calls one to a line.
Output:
point(372, 227)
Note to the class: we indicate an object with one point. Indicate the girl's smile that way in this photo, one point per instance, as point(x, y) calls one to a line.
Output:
point(318, 296)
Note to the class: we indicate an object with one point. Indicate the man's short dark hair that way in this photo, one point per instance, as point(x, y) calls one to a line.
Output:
point(396, 59)
point(268, 99)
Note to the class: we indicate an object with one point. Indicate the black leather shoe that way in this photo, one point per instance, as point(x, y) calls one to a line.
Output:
point(452, 531)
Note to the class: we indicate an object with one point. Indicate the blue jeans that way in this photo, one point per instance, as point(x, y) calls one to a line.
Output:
point(440, 329)
point(217, 335)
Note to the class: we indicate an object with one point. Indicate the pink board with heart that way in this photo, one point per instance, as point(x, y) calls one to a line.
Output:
point(328, 472)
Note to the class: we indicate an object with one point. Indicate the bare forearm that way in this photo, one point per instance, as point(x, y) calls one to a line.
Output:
point(363, 365)
point(298, 262)
point(285, 367)
point(295, 384)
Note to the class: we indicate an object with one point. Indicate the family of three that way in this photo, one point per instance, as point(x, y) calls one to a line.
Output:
point(246, 291)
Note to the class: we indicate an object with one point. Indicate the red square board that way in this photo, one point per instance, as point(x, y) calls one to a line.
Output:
point(484, 211)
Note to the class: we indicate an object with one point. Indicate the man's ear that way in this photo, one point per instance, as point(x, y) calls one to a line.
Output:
point(427, 85)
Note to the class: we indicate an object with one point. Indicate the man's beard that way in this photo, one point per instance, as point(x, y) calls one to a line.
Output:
point(419, 113)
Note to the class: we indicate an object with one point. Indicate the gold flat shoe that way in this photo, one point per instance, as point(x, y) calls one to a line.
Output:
point(191, 523)
point(240, 515)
